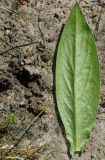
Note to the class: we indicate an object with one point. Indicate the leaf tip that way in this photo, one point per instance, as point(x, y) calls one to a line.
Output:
point(77, 4)
point(77, 7)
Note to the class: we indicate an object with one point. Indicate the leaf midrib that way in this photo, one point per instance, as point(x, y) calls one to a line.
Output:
point(76, 142)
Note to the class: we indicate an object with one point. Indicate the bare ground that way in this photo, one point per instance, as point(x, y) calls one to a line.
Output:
point(27, 50)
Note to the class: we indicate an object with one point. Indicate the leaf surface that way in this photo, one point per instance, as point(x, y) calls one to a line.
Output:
point(77, 79)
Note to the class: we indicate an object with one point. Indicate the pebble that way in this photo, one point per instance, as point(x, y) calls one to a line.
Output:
point(34, 103)
point(99, 9)
point(94, 13)
point(28, 61)
point(28, 94)
point(7, 32)
point(101, 109)
point(87, 1)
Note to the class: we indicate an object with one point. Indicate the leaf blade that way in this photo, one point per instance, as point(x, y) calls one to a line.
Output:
point(77, 79)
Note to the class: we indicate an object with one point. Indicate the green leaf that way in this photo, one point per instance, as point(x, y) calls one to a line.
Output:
point(77, 79)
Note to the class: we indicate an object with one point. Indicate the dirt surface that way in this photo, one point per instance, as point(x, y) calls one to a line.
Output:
point(27, 48)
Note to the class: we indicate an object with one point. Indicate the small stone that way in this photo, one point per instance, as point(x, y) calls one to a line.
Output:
point(102, 108)
point(46, 57)
point(22, 63)
point(32, 70)
point(34, 104)
point(28, 94)
point(22, 104)
point(28, 61)
point(87, 1)
point(94, 13)
point(99, 9)
point(7, 32)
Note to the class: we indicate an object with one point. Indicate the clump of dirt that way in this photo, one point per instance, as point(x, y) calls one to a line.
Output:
point(27, 51)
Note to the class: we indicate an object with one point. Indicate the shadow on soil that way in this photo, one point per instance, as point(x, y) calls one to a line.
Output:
point(54, 96)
